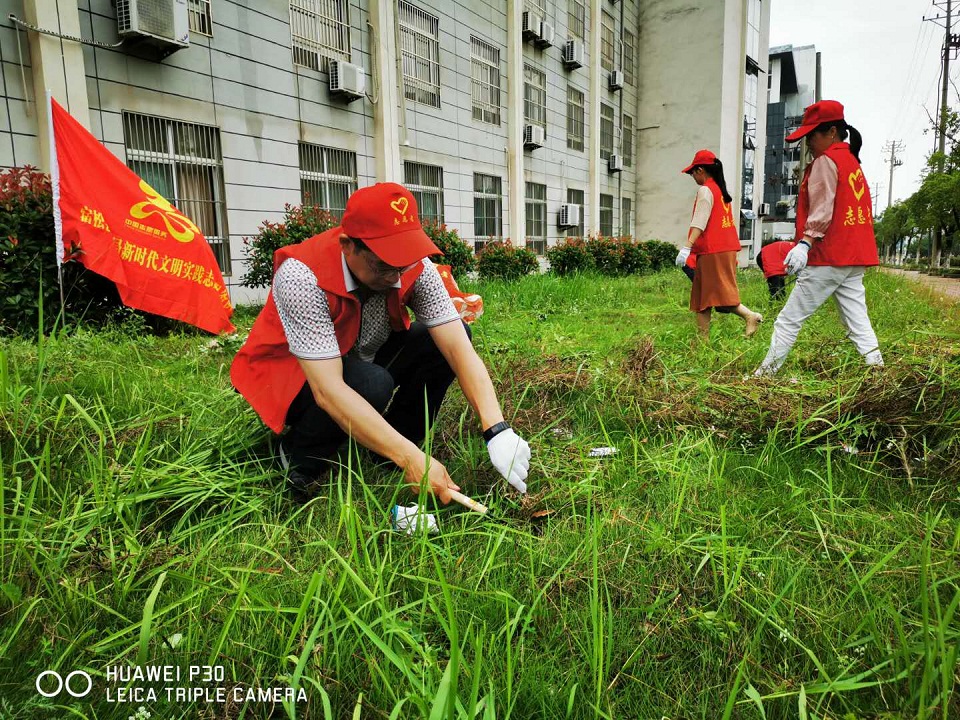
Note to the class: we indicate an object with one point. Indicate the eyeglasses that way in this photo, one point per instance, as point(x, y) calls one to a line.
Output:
point(381, 268)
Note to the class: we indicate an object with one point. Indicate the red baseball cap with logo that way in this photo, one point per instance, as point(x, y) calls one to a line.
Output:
point(817, 114)
point(385, 217)
point(703, 157)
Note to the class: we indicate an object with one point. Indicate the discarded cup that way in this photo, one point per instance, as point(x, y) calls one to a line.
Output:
point(602, 452)
point(409, 519)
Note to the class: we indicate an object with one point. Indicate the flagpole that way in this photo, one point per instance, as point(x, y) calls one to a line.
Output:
point(55, 188)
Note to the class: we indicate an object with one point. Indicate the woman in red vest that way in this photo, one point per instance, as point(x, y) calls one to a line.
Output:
point(713, 239)
point(835, 240)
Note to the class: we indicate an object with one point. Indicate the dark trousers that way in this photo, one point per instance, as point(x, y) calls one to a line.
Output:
point(409, 362)
point(776, 286)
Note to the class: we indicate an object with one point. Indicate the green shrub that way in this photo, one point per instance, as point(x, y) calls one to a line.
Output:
point(570, 256)
point(299, 223)
point(456, 253)
point(636, 258)
point(28, 262)
point(661, 254)
point(607, 254)
point(955, 261)
point(505, 261)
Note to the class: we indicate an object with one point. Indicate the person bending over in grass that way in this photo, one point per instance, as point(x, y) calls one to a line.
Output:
point(835, 240)
point(334, 349)
point(713, 239)
point(770, 260)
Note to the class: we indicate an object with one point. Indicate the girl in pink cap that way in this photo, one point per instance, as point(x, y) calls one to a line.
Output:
point(835, 240)
point(713, 239)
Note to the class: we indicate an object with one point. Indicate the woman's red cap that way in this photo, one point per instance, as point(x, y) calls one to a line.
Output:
point(817, 114)
point(703, 157)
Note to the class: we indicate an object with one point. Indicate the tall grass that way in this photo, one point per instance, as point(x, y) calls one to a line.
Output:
point(755, 549)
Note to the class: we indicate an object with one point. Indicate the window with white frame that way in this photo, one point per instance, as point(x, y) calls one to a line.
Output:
point(608, 42)
point(487, 209)
point(626, 217)
point(536, 206)
point(534, 96)
point(320, 31)
point(198, 14)
point(606, 131)
point(485, 66)
point(629, 48)
point(182, 162)
point(577, 18)
point(627, 141)
point(328, 176)
point(420, 52)
point(574, 118)
point(575, 197)
point(606, 215)
point(425, 182)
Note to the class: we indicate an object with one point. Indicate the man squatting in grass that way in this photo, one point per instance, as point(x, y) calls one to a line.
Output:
point(835, 240)
point(713, 239)
point(334, 349)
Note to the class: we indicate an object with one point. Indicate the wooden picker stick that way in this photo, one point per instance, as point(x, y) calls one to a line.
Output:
point(468, 502)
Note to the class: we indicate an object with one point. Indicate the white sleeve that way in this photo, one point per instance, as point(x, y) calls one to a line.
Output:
point(702, 208)
point(304, 312)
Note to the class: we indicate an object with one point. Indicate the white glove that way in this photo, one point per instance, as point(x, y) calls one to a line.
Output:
point(682, 256)
point(796, 259)
point(510, 455)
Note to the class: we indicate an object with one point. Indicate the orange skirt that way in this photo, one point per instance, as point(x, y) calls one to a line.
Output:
point(715, 282)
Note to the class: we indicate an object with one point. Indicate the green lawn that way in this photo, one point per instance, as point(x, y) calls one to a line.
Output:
point(780, 548)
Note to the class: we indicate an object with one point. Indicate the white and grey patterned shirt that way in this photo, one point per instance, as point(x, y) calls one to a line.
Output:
point(305, 314)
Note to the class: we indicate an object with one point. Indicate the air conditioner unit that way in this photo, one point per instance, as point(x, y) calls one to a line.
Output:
point(154, 27)
point(546, 35)
point(533, 136)
point(615, 81)
point(573, 54)
point(531, 26)
point(347, 80)
point(615, 163)
point(764, 209)
point(569, 215)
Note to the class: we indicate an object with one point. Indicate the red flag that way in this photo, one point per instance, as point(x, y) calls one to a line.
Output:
point(119, 227)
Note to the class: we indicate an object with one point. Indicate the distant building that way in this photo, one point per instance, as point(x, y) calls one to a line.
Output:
point(793, 83)
point(500, 115)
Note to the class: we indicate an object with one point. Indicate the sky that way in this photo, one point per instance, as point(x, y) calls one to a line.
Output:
point(882, 62)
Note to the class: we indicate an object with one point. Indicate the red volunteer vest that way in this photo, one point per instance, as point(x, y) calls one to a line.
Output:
point(264, 371)
point(772, 257)
point(720, 235)
point(849, 239)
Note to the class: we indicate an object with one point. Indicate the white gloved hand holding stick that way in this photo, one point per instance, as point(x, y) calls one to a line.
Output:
point(509, 453)
point(682, 256)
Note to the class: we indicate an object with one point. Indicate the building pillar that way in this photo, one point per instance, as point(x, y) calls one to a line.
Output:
point(516, 209)
point(56, 65)
point(386, 79)
point(591, 203)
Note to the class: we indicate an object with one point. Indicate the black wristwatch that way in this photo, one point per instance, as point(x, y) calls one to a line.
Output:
point(805, 243)
point(491, 432)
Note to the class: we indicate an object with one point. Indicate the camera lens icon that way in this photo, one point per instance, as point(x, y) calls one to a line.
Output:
point(68, 683)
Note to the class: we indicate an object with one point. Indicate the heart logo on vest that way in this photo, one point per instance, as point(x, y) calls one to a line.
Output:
point(854, 178)
point(400, 205)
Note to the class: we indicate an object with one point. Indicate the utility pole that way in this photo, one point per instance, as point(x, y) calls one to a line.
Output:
point(951, 43)
point(875, 193)
point(893, 147)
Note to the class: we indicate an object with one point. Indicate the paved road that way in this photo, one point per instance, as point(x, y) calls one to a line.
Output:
point(948, 287)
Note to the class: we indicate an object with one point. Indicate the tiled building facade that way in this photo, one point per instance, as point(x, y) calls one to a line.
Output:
point(243, 120)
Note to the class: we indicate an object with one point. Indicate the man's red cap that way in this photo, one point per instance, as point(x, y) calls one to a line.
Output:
point(384, 216)
point(703, 157)
point(817, 114)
